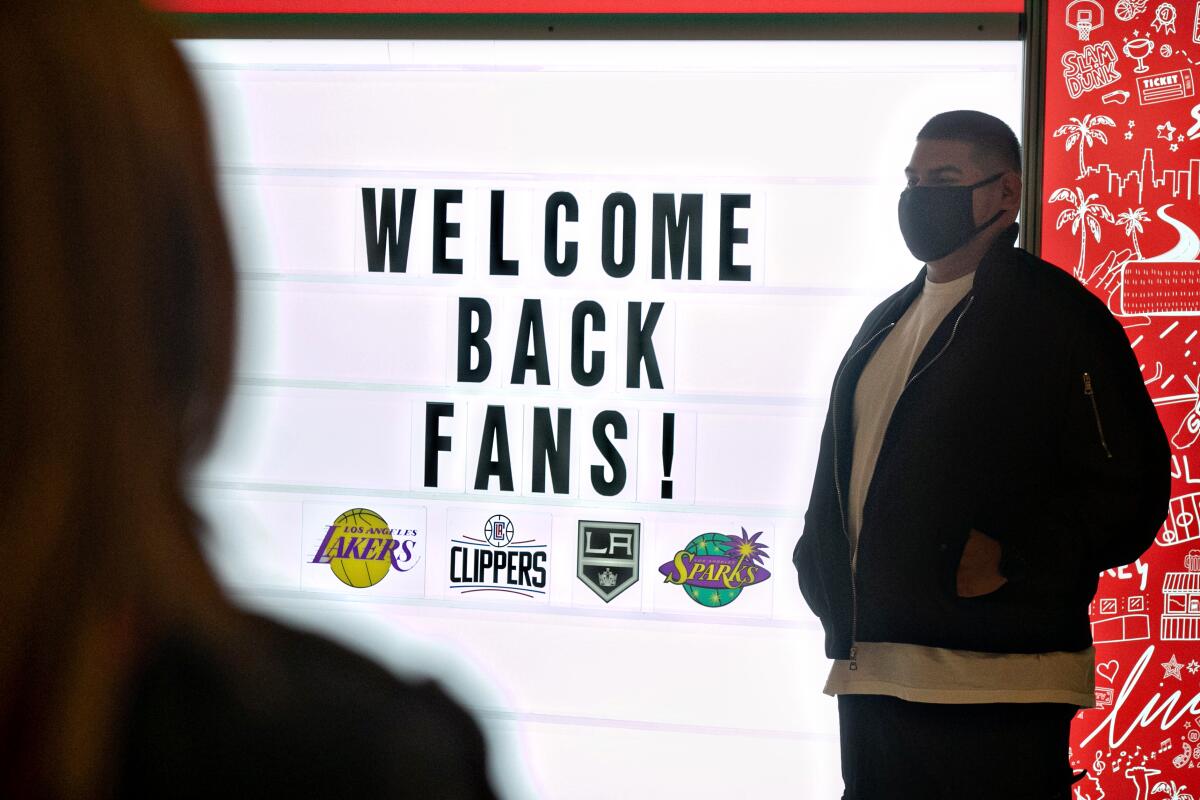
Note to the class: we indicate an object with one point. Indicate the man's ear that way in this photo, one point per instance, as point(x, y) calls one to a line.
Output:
point(1012, 186)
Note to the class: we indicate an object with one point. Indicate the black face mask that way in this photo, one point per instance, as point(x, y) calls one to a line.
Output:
point(937, 220)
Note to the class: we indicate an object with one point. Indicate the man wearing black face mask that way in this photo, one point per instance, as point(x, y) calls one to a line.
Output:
point(990, 448)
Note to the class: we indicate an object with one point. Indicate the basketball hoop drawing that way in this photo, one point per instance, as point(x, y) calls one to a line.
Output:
point(1085, 16)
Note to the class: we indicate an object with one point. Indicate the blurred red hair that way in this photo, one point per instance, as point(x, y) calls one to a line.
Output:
point(116, 324)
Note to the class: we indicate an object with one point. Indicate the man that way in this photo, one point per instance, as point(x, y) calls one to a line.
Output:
point(990, 448)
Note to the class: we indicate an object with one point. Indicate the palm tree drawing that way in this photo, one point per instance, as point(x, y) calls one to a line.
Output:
point(1132, 220)
point(1083, 217)
point(1084, 132)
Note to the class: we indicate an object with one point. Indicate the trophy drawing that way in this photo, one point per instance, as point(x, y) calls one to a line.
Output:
point(1138, 49)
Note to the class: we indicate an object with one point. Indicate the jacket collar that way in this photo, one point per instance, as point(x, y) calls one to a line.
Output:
point(985, 275)
point(989, 266)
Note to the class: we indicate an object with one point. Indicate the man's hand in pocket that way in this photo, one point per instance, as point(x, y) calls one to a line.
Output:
point(979, 568)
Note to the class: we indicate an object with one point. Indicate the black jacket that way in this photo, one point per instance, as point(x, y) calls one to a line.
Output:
point(1025, 417)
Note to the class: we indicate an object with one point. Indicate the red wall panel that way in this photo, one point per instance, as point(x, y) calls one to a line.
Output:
point(1121, 208)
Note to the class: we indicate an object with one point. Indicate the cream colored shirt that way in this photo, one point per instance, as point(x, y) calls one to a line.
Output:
point(915, 672)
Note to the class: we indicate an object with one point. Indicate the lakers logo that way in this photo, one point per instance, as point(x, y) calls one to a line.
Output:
point(360, 548)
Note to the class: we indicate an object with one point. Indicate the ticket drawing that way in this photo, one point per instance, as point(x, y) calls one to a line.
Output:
point(1160, 288)
point(1164, 86)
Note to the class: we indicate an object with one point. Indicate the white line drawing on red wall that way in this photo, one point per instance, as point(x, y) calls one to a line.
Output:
point(1125, 628)
point(1128, 9)
point(1181, 468)
point(1181, 526)
point(1189, 427)
point(1167, 284)
point(1107, 276)
point(1158, 373)
point(1094, 67)
point(1196, 26)
point(1106, 671)
point(1083, 132)
point(1164, 19)
point(1117, 96)
point(1179, 182)
point(1132, 220)
point(1181, 592)
point(1094, 793)
point(1189, 746)
point(1138, 570)
point(1083, 210)
point(1140, 778)
point(1163, 87)
point(1171, 791)
point(1084, 16)
point(1173, 669)
point(1138, 49)
point(1194, 131)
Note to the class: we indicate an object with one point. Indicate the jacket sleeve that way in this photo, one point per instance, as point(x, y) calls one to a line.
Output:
point(806, 555)
point(812, 561)
point(1113, 481)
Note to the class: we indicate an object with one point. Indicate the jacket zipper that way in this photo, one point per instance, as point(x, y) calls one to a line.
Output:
point(1087, 389)
point(837, 485)
point(837, 477)
point(953, 331)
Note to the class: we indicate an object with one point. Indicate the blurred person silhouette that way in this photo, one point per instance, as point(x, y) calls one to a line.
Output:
point(124, 671)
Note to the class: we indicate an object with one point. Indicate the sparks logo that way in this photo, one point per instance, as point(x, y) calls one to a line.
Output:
point(360, 548)
point(714, 568)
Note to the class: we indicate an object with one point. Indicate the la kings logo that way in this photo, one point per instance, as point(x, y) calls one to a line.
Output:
point(607, 558)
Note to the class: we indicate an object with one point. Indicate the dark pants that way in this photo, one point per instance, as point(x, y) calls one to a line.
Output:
point(896, 750)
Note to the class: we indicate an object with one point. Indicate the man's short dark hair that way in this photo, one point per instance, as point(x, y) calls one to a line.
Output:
point(990, 136)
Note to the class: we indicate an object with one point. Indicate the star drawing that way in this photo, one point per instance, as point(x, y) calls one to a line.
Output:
point(1171, 669)
point(1166, 131)
point(1128, 135)
point(1193, 666)
point(1174, 147)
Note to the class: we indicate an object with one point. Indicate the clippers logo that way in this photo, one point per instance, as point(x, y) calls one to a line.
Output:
point(1165, 86)
point(607, 560)
point(359, 548)
point(500, 531)
point(498, 562)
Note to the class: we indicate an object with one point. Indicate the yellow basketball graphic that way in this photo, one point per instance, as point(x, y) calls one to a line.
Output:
point(359, 550)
